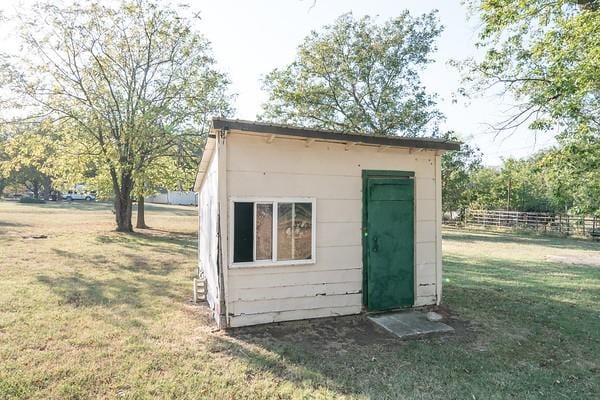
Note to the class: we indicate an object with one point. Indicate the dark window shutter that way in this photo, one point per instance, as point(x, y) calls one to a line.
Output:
point(243, 237)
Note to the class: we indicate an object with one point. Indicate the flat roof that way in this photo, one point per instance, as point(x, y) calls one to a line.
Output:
point(330, 135)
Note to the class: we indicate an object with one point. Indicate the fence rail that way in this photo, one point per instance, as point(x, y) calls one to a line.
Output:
point(568, 225)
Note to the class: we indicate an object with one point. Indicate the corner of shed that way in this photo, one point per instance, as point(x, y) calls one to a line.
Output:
point(207, 155)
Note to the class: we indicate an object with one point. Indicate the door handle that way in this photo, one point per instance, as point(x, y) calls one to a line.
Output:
point(375, 244)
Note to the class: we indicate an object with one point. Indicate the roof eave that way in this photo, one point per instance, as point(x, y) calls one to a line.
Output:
point(293, 131)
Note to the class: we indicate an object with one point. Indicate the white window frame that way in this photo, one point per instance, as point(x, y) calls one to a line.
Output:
point(275, 202)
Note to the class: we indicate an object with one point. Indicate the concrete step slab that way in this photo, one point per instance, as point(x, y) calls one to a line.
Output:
point(405, 324)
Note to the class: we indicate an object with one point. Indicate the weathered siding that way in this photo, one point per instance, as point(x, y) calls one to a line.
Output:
point(207, 235)
point(331, 173)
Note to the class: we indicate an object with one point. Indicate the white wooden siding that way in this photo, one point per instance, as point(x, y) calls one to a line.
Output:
point(264, 318)
point(301, 276)
point(295, 290)
point(326, 171)
point(208, 202)
point(438, 229)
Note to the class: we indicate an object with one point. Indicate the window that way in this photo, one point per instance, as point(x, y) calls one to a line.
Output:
point(264, 231)
point(273, 232)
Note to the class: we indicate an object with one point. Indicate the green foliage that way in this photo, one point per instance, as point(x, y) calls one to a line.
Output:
point(28, 157)
point(457, 170)
point(129, 83)
point(546, 55)
point(572, 175)
point(517, 185)
point(484, 190)
point(359, 76)
point(564, 179)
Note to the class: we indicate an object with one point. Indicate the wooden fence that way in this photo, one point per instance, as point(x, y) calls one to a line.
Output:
point(565, 224)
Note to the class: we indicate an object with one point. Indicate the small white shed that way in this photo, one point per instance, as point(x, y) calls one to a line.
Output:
point(301, 223)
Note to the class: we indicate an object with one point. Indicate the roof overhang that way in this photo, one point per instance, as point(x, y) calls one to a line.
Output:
point(333, 136)
point(207, 154)
point(277, 130)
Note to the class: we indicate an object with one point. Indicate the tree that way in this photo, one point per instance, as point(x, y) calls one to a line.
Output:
point(170, 173)
point(563, 179)
point(131, 83)
point(358, 76)
point(523, 187)
point(545, 54)
point(572, 176)
point(486, 191)
point(457, 170)
point(27, 157)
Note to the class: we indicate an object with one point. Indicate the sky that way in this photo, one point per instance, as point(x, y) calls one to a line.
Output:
point(250, 38)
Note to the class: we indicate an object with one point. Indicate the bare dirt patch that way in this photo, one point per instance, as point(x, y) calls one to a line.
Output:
point(341, 333)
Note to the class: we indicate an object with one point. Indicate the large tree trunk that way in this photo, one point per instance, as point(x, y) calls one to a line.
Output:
point(36, 189)
point(47, 187)
point(123, 204)
point(141, 218)
point(123, 213)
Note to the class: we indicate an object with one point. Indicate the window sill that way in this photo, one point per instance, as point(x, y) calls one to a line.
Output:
point(266, 263)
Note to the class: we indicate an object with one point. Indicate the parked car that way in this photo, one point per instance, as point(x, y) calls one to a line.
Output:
point(73, 195)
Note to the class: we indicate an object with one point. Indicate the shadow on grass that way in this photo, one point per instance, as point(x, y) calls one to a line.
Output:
point(169, 242)
point(182, 211)
point(192, 234)
point(134, 263)
point(80, 291)
point(332, 353)
point(555, 295)
point(520, 238)
point(530, 322)
point(12, 224)
point(71, 205)
point(10, 227)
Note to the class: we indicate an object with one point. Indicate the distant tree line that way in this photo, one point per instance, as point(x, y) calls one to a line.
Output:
point(563, 179)
point(544, 54)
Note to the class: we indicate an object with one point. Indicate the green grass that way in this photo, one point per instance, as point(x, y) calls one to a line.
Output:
point(91, 313)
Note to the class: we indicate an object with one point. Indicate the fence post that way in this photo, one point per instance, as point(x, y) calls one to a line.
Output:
point(546, 224)
point(560, 223)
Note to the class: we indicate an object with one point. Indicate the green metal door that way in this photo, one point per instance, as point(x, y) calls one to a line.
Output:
point(388, 240)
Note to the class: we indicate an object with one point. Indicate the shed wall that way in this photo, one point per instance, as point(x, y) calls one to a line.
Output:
point(208, 240)
point(331, 173)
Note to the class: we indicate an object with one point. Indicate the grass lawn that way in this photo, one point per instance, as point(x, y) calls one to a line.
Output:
point(90, 313)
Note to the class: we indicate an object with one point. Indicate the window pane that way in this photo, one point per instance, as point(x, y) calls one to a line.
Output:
point(243, 219)
point(264, 231)
point(302, 231)
point(284, 231)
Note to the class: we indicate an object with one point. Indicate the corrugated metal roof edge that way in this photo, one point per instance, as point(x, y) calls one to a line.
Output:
point(289, 130)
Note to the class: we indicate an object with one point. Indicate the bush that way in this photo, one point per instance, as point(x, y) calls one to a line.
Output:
point(31, 200)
